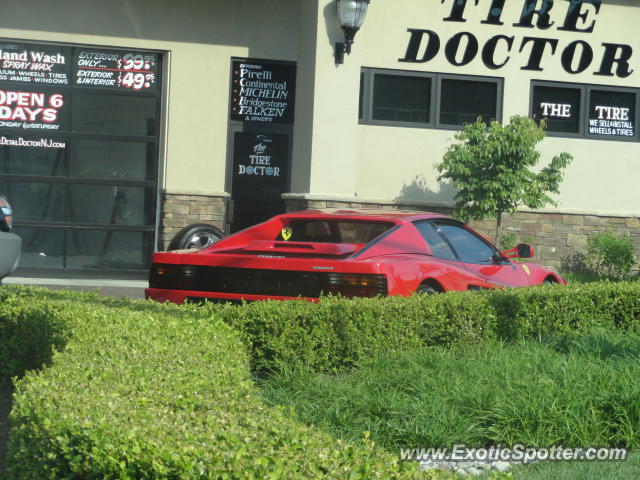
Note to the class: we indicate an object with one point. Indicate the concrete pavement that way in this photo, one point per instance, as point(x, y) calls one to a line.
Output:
point(130, 286)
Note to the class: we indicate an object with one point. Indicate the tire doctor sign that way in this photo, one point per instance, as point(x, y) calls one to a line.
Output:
point(531, 39)
point(262, 94)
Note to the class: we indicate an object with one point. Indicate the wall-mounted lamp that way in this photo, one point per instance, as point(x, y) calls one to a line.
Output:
point(351, 14)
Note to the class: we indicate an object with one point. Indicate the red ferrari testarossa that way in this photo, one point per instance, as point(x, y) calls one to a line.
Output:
point(354, 253)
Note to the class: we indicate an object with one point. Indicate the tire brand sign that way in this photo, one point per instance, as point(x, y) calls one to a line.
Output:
point(262, 91)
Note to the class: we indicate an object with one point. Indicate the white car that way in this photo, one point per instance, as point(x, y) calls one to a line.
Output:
point(10, 243)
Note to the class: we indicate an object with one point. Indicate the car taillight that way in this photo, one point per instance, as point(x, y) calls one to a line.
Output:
point(357, 284)
point(172, 276)
point(162, 275)
point(6, 214)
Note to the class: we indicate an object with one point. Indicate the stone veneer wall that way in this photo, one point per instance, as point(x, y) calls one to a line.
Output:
point(556, 237)
point(180, 210)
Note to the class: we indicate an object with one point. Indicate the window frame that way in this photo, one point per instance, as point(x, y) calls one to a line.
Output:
point(571, 86)
point(471, 78)
point(367, 74)
point(636, 122)
point(585, 102)
point(69, 135)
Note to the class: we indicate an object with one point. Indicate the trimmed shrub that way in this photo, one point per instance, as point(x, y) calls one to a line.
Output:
point(159, 394)
point(161, 391)
point(29, 336)
point(338, 333)
point(33, 325)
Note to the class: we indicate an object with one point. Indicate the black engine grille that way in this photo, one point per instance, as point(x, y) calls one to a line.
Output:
point(287, 283)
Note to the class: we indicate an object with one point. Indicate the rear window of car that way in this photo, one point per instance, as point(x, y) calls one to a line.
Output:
point(332, 231)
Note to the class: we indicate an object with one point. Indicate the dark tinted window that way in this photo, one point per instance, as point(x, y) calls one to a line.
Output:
point(560, 106)
point(401, 98)
point(467, 245)
point(463, 101)
point(81, 171)
point(110, 159)
point(41, 247)
point(360, 103)
point(328, 231)
point(427, 100)
point(113, 114)
point(108, 249)
point(439, 247)
point(28, 160)
point(110, 204)
point(35, 201)
point(612, 113)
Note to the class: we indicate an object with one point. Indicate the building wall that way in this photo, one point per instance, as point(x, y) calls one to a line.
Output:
point(334, 156)
point(336, 160)
point(181, 210)
point(358, 165)
point(199, 37)
point(383, 163)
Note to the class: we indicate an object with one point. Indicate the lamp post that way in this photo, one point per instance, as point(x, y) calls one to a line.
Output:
point(351, 14)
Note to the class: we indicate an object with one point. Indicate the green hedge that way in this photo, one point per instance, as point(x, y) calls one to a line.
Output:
point(29, 336)
point(142, 390)
point(148, 391)
point(338, 333)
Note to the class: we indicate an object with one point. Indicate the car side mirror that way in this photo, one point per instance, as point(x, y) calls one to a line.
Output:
point(522, 250)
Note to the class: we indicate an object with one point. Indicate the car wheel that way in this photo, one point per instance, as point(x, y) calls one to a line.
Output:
point(198, 235)
point(425, 289)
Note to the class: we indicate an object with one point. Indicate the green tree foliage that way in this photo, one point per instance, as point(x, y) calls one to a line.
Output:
point(491, 169)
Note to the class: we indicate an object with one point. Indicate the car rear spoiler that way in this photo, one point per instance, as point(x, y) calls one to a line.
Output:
point(337, 249)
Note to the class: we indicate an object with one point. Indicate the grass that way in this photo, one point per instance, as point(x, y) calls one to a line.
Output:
point(626, 470)
point(574, 392)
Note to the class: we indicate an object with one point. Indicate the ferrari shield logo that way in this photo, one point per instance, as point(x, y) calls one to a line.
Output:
point(526, 269)
point(286, 233)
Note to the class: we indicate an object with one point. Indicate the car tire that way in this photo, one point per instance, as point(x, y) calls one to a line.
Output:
point(197, 235)
point(426, 289)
